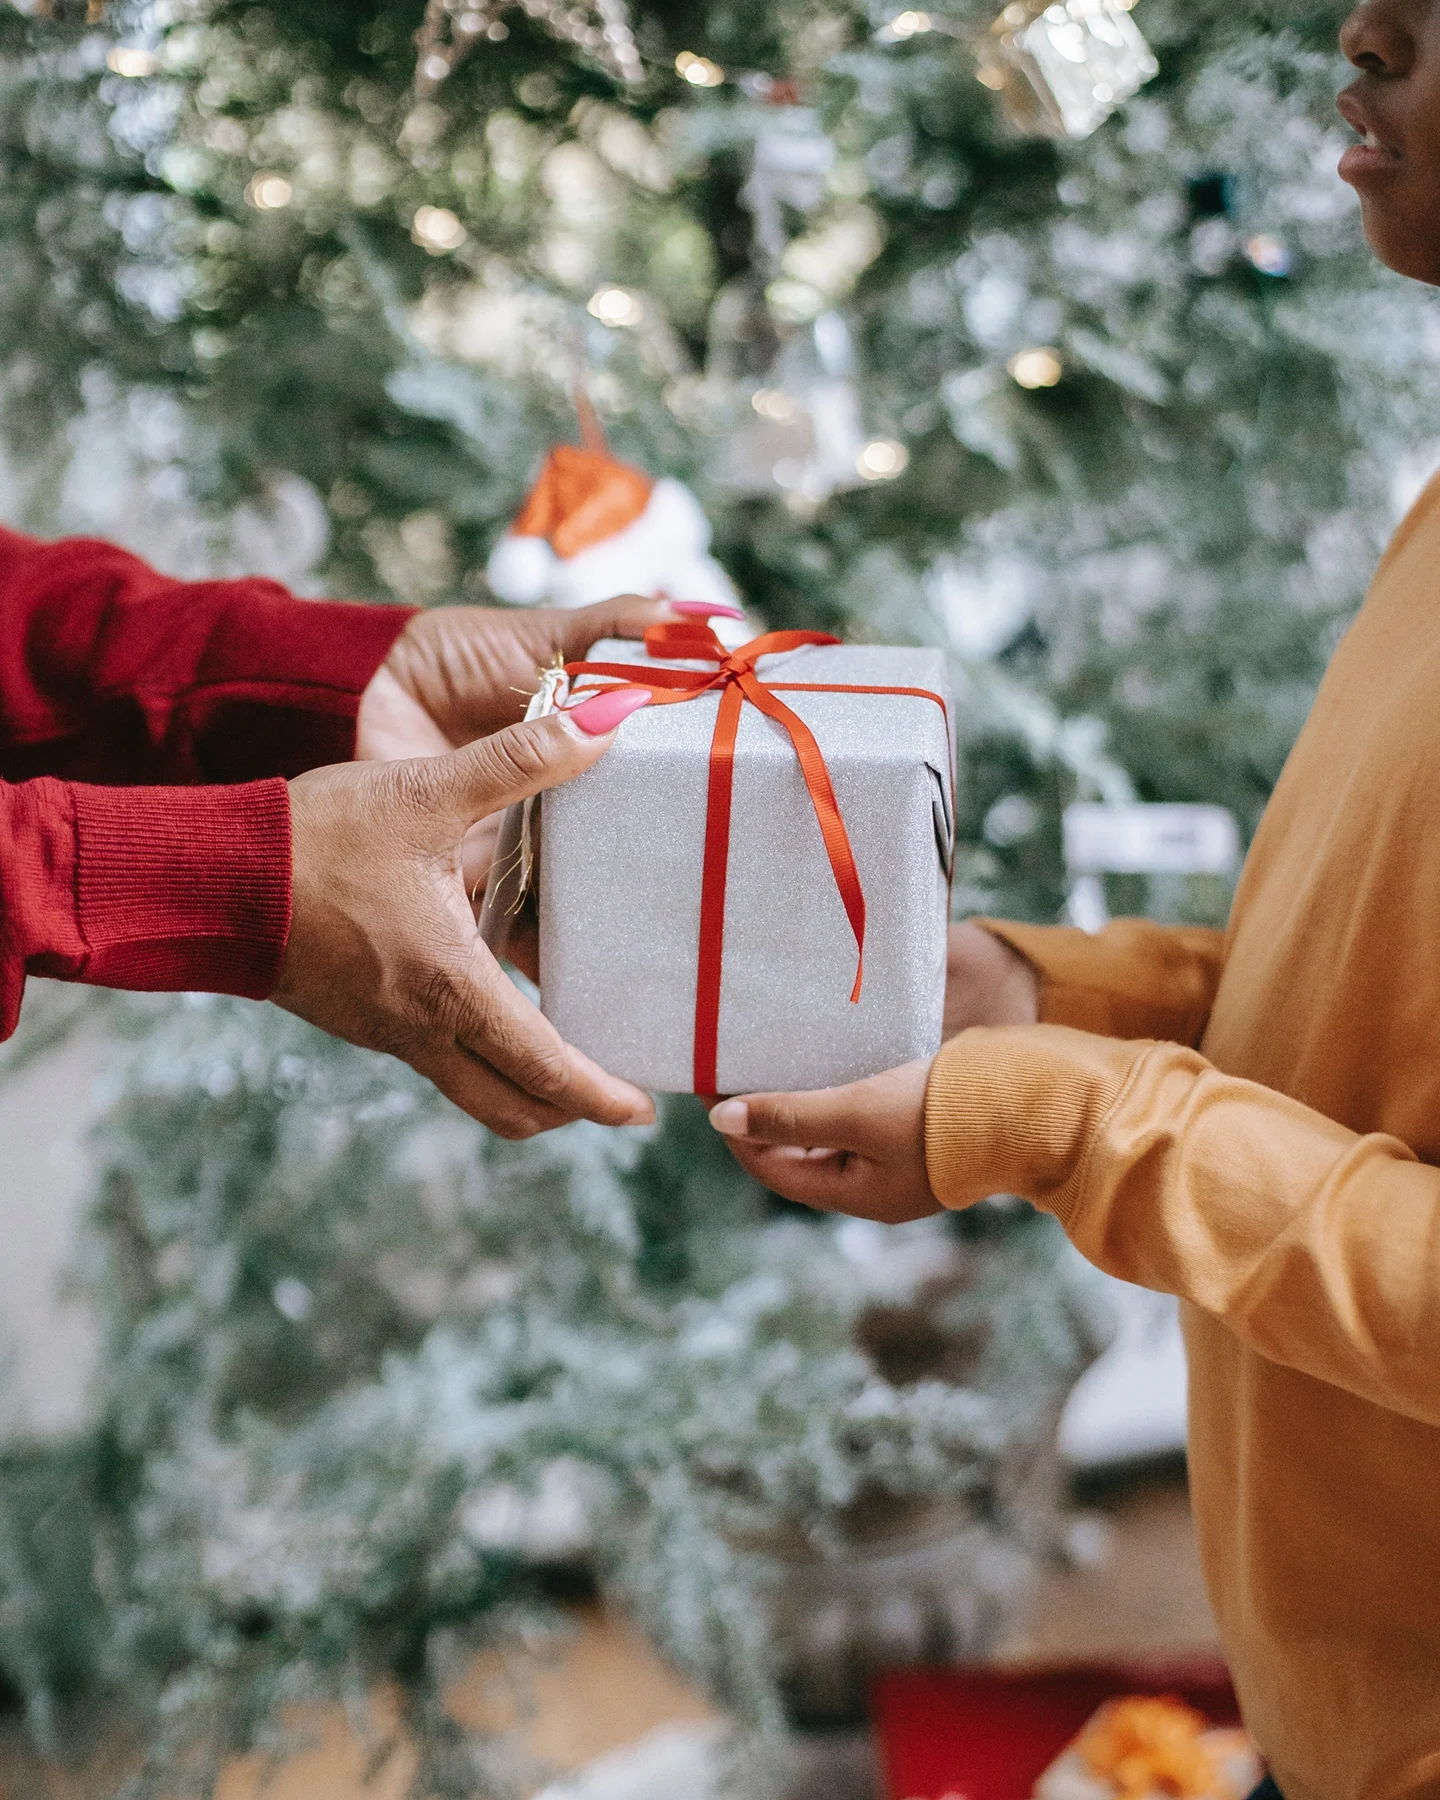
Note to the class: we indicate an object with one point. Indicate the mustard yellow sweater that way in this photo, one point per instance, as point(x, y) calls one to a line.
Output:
point(1272, 1160)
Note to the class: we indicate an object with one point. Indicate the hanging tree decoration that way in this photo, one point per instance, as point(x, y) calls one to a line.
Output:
point(1061, 69)
point(593, 526)
point(783, 357)
point(452, 29)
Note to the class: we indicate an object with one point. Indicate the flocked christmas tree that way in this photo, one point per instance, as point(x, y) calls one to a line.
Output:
point(1121, 419)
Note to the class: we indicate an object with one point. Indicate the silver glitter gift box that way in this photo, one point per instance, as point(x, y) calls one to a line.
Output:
point(620, 875)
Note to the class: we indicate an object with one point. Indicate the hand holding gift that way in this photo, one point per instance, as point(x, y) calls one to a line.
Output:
point(860, 1148)
point(461, 672)
point(458, 673)
point(986, 982)
point(383, 947)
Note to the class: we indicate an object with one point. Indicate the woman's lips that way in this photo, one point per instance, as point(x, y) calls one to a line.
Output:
point(1362, 162)
point(1371, 158)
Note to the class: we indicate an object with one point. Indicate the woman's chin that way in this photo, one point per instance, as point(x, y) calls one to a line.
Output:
point(1401, 244)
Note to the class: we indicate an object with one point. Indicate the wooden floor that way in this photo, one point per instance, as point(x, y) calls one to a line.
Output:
point(1135, 1581)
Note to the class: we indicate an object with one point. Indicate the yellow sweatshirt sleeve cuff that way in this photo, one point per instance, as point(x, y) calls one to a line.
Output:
point(1017, 1110)
point(1134, 979)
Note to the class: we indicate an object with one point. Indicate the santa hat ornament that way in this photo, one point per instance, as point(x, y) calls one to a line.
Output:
point(592, 527)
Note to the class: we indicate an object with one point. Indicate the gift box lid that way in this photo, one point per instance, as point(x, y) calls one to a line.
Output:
point(989, 1734)
point(841, 665)
point(696, 948)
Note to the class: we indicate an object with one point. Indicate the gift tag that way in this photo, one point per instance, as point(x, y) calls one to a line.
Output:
point(513, 869)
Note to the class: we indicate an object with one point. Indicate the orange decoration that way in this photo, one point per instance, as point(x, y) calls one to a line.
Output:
point(581, 498)
point(1150, 1747)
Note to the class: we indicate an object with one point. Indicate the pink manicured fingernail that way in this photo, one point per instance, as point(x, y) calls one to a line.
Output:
point(704, 609)
point(731, 1118)
point(605, 711)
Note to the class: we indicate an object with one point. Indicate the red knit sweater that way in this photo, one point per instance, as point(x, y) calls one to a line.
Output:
point(113, 675)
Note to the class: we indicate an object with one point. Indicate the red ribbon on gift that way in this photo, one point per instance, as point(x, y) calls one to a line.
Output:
point(736, 682)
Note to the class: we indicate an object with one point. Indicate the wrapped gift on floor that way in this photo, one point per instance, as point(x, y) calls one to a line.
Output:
point(1146, 1747)
point(1146, 1728)
point(707, 892)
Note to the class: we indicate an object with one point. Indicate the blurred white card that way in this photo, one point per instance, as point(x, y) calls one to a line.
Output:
point(1150, 840)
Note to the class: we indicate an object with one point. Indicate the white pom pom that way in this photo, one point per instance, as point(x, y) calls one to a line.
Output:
point(619, 565)
point(700, 578)
point(676, 517)
point(521, 570)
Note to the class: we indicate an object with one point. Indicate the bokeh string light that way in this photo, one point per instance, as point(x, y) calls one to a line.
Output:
point(268, 192)
point(1041, 367)
point(437, 230)
point(131, 62)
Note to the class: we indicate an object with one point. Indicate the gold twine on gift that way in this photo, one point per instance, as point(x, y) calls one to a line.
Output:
point(546, 699)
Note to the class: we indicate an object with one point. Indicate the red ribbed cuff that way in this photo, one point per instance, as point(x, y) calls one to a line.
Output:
point(183, 888)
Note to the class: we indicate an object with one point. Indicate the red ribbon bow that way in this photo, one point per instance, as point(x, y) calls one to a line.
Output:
point(736, 681)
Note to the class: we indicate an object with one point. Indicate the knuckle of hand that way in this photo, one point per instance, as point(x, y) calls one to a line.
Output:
point(437, 1002)
point(539, 1067)
point(517, 758)
point(546, 1073)
point(412, 784)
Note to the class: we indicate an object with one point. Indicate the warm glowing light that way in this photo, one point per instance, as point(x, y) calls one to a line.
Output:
point(436, 229)
point(773, 403)
point(135, 64)
point(1039, 368)
point(269, 192)
point(699, 71)
point(990, 76)
point(882, 460)
point(615, 306)
point(1270, 255)
point(910, 24)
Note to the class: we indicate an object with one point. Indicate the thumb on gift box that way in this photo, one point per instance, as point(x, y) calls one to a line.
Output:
point(383, 948)
point(511, 765)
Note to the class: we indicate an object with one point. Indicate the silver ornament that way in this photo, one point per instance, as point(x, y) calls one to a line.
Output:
point(783, 360)
point(1062, 68)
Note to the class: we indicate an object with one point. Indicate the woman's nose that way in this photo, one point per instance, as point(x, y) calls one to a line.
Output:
point(1379, 37)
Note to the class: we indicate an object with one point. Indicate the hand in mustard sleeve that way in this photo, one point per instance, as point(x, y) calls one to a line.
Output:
point(987, 982)
point(858, 1149)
